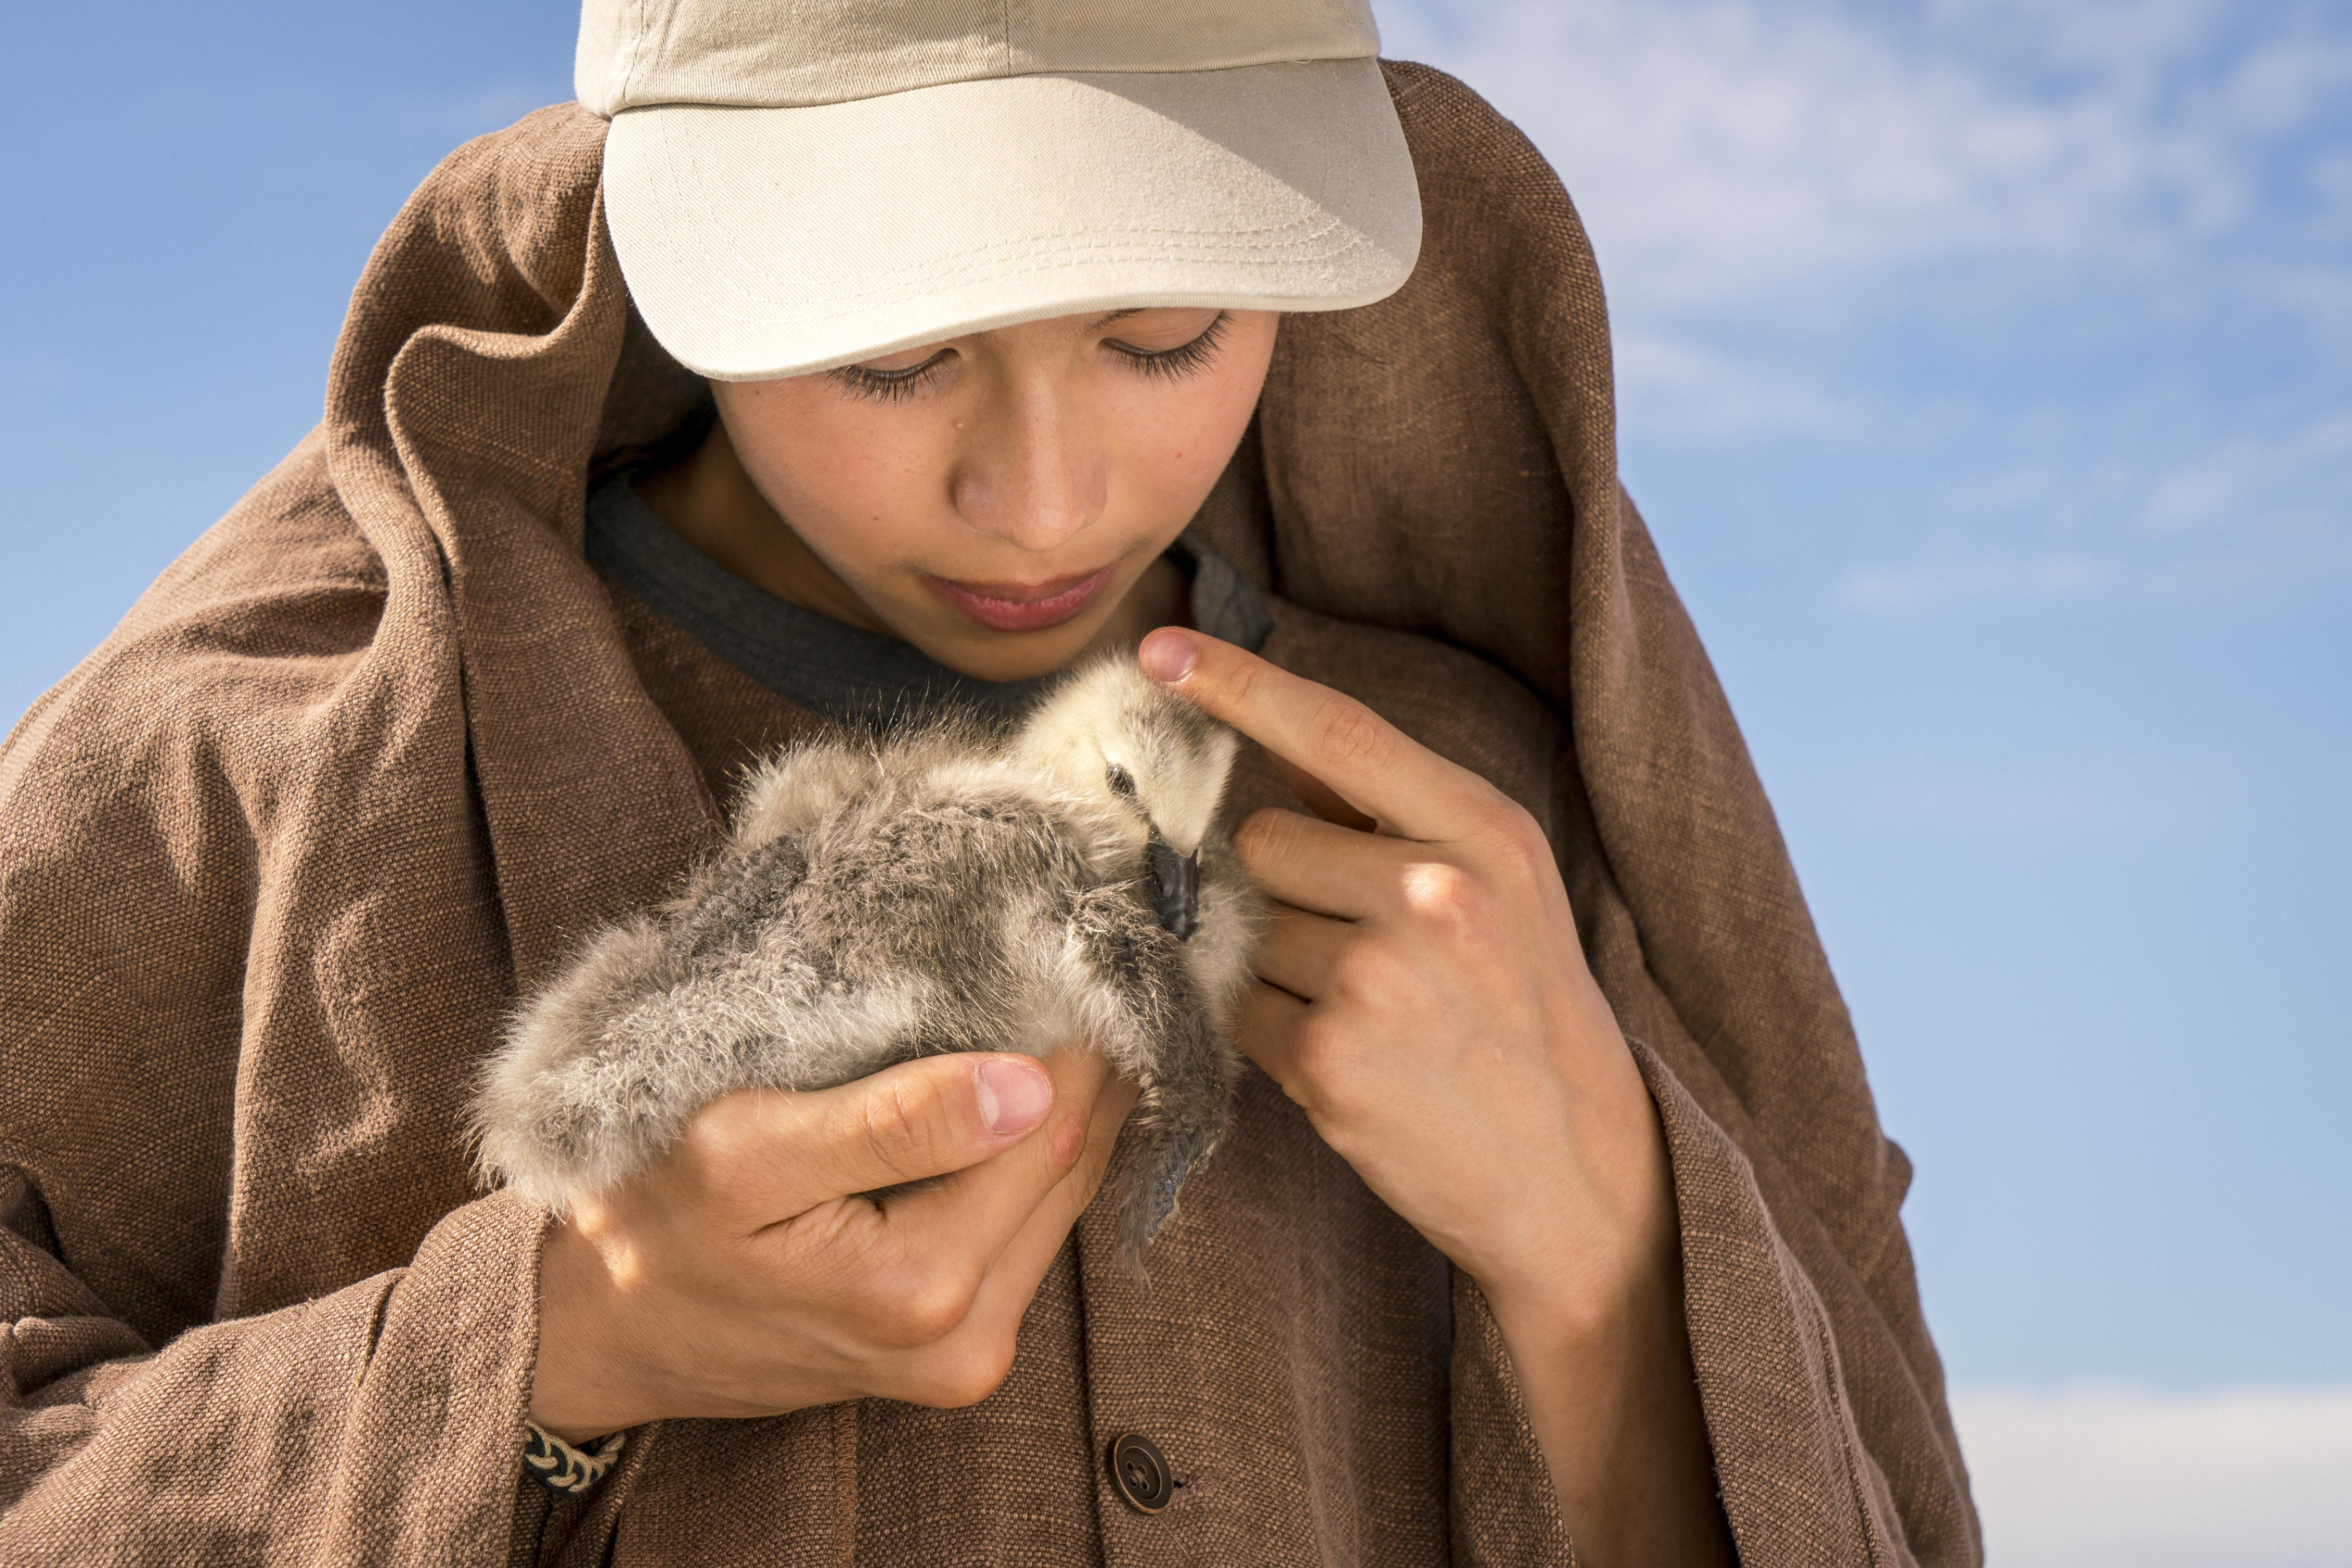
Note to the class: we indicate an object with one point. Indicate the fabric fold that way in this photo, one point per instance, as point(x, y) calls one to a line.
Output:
point(1766, 1358)
point(381, 1422)
point(1503, 1509)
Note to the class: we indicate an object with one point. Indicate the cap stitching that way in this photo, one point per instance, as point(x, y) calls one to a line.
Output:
point(636, 51)
point(1041, 261)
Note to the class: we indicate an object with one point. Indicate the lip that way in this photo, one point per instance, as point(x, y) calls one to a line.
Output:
point(1023, 606)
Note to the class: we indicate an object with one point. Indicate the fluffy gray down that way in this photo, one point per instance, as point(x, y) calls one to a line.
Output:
point(952, 889)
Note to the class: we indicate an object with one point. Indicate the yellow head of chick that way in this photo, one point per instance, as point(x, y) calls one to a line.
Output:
point(1111, 733)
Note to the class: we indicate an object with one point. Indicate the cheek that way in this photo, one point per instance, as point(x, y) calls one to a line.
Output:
point(1188, 431)
point(850, 477)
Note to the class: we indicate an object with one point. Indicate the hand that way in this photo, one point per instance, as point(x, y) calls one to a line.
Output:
point(742, 1275)
point(1424, 999)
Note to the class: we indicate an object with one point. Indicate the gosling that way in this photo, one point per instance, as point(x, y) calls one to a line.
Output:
point(949, 890)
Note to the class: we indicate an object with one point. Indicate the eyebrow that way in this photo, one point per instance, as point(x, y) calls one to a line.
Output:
point(1117, 316)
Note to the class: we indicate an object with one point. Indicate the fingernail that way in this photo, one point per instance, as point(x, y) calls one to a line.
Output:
point(1166, 657)
point(1013, 1098)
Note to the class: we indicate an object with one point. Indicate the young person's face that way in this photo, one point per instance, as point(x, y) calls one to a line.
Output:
point(995, 499)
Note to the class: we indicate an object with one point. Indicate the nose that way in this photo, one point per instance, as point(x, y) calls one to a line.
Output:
point(1033, 472)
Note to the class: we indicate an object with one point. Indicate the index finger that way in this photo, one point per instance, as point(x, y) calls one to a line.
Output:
point(1407, 789)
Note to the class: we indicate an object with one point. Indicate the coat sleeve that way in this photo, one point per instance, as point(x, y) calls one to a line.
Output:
point(380, 1423)
point(1806, 1477)
point(1804, 1474)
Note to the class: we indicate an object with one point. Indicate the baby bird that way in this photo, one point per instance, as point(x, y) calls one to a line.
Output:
point(952, 889)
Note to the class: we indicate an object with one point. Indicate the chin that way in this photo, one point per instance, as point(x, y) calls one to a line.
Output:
point(1009, 656)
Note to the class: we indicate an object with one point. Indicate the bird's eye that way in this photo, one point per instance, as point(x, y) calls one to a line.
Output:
point(1122, 781)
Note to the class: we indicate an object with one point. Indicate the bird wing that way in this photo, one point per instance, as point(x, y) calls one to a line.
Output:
point(742, 899)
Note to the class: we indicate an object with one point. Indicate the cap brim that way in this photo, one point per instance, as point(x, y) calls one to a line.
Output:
point(771, 242)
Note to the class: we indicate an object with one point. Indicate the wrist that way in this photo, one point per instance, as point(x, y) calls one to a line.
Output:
point(1605, 1248)
point(583, 1384)
point(1589, 1302)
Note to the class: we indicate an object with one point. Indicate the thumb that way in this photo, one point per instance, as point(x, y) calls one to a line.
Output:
point(918, 1120)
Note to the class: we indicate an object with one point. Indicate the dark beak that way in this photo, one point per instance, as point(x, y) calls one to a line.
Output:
point(1176, 881)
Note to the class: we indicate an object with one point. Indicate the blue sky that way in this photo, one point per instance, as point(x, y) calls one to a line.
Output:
point(1987, 375)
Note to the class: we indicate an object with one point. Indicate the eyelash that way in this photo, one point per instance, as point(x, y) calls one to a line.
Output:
point(895, 385)
point(1184, 358)
point(888, 385)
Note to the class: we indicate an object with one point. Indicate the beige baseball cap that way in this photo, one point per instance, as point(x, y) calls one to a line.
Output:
point(795, 185)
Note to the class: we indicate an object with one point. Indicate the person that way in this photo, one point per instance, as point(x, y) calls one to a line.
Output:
point(827, 362)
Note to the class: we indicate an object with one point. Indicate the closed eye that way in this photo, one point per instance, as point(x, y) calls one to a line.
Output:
point(1181, 360)
point(889, 385)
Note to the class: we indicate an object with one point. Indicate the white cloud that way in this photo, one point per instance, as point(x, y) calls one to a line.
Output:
point(1935, 584)
point(2246, 516)
point(1779, 188)
point(2105, 1478)
point(1709, 392)
point(2077, 799)
point(2226, 575)
point(1729, 153)
point(2298, 482)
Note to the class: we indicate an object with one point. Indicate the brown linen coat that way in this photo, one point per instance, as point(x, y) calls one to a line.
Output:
point(380, 745)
